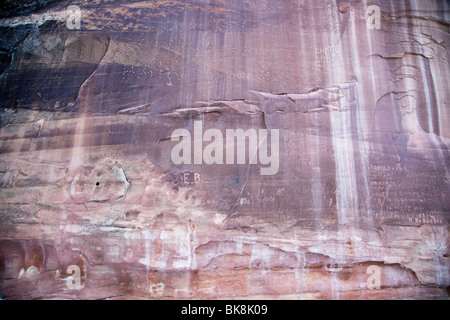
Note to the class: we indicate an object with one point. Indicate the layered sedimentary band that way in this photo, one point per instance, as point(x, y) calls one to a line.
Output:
point(93, 205)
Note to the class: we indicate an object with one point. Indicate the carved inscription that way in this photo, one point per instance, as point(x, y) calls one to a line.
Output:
point(402, 195)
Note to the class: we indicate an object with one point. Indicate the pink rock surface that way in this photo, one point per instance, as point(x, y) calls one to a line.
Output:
point(92, 205)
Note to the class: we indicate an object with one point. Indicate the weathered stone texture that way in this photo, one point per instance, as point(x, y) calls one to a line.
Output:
point(86, 176)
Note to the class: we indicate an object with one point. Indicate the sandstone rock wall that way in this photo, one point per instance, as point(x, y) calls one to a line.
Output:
point(93, 206)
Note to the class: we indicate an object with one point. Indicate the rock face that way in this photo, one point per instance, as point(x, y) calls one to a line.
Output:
point(121, 177)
